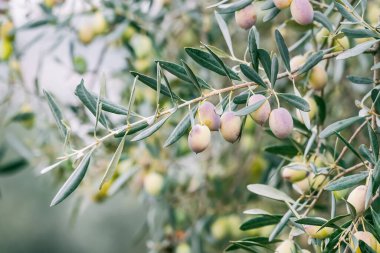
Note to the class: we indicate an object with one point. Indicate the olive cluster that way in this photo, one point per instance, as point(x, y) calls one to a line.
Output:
point(301, 10)
point(229, 124)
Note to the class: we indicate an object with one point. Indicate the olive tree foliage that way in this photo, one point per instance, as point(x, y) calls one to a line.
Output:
point(324, 169)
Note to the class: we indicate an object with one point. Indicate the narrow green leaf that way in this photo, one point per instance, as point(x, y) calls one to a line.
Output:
point(132, 130)
point(376, 66)
point(359, 33)
point(152, 83)
point(260, 221)
point(375, 96)
point(349, 146)
point(346, 11)
point(252, 47)
point(250, 108)
point(207, 61)
point(218, 60)
point(252, 75)
point(151, 130)
point(180, 72)
point(280, 226)
point(54, 108)
point(339, 126)
point(88, 100)
point(224, 29)
point(113, 163)
point(360, 80)
point(180, 129)
point(283, 49)
point(314, 221)
point(322, 19)
point(358, 49)
point(265, 61)
point(346, 182)
point(271, 14)
point(295, 101)
point(282, 150)
point(232, 7)
point(365, 248)
point(73, 181)
point(13, 166)
point(311, 61)
point(274, 70)
point(331, 223)
point(269, 192)
point(374, 141)
point(366, 154)
point(192, 76)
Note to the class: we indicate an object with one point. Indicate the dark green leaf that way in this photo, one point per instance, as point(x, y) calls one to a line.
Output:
point(88, 100)
point(152, 83)
point(241, 98)
point(321, 18)
point(339, 126)
point(349, 146)
point(282, 150)
point(283, 49)
point(274, 70)
point(181, 128)
point(217, 59)
point(134, 129)
point(346, 11)
point(250, 108)
point(366, 154)
point(252, 75)
point(13, 166)
point(73, 181)
point(192, 76)
point(375, 96)
point(260, 221)
point(151, 130)
point(346, 182)
point(295, 101)
point(365, 248)
point(359, 33)
point(311, 61)
point(252, 46)
point(314, 221)
point(360, 80)
point(265, 60)
point(180, 72)
point(207, 61)
point(374, 142)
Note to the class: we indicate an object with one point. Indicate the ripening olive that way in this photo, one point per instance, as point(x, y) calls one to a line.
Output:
point(313, 109)
point(302, 11)
point(357, 198)
point(183, 248)
point(281, 123)
point(261, 115)
point(86, 34)
point(6, 30)
point(246, 17)
point(208, 116)
point(219, 229)
point(6, 50)
point(318, 233)
point(366, 237)
point(199, 138)
point(142, 45)
point(153, 183)
point(230, 126)
point(318, 181)
point(341, 44)
point(100, 25)
point(322, 35)
point(287, 246)
point(294, 172)
point(297, 62)
point(340, 194)
point(282, 4)
point(318, 78)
